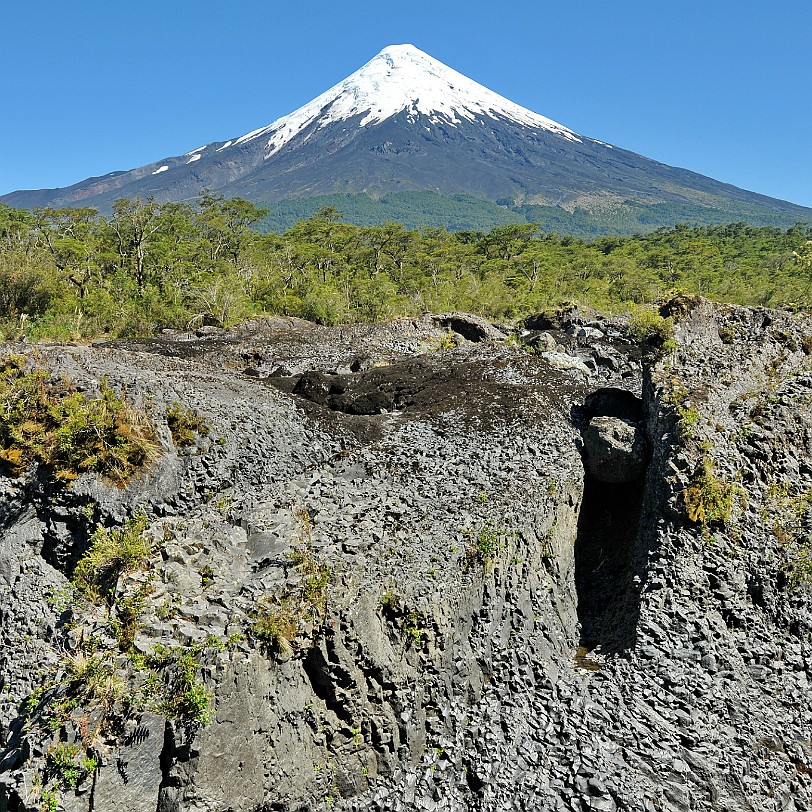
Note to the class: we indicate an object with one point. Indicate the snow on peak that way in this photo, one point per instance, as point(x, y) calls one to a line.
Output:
point(402, 77)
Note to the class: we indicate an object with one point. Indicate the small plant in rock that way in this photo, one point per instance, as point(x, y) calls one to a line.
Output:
point(128, 610)
point(91, 681)
point(33, 699)
point(709, 499)
point(389, 601)
point(409, 621)
point(276, 625)
point(67, 432)
point(786, 511)
point(727, 334)
point(61, 598)
point(688, 418)
point(801, 567)
point(224, 506)
point(654, 333)
point(414, 626)
point(447, 341)
point(111, 553)
point(185, 425)
point(279, 619)
point(49, 801)
point(182, 697)
point(315, 589)
point(168, 609)
point(69, 764)
point(94, 680)
point(484, 549)
point(547, 548)
point(688, 421)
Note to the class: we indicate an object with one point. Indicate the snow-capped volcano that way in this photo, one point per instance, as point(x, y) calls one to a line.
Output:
point(401, 78)
point(406, 122)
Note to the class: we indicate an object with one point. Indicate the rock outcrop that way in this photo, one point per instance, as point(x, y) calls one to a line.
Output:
point(507, 582)
point(614, 450)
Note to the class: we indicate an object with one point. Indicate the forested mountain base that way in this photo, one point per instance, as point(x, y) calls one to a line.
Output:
point(71, 274)
point(461, 212)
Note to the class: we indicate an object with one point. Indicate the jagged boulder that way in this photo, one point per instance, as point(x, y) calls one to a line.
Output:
point(561, 360)
point(614, 450)
point(612, 401)
point(470, 327)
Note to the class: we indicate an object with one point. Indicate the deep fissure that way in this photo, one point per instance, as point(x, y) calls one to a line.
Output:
point(608, 603)
point(606, 580)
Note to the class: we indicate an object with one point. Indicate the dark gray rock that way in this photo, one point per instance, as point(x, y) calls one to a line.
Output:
point(132, 778)
point(469, 555)
point(614, 450)
point(470, 327)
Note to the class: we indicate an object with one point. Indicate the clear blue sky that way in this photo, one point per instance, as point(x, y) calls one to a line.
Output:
point(720, 86)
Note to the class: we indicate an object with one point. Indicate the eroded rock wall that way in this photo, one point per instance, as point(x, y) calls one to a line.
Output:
point(502, 629)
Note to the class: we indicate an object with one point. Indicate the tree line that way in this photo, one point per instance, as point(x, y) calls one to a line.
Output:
point(69, 274)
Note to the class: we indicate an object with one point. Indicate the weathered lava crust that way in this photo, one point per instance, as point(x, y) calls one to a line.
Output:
point(529, 605)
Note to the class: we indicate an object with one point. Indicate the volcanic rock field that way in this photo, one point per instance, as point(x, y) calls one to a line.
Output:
point(557, 570)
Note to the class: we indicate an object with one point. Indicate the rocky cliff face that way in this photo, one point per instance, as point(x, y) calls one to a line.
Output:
point(416, 566)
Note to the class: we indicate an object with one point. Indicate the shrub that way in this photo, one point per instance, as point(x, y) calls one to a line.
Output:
point(49, 801)
point(688, 421)
point(182, 697)
point(69, 764)
point(65, 431)
point(447, 341)
point(654, 333)
point(111, 553)
point(93, 680)
point(688, 418)
point(390, 601)
point(128, 616)
point(709, 499)
point(185, 425)
point(276, 625)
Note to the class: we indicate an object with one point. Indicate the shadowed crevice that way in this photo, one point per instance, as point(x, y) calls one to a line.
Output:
point(608, 600)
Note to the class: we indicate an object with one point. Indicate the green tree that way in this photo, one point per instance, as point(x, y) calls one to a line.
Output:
point(135, 224)
point(72, 240)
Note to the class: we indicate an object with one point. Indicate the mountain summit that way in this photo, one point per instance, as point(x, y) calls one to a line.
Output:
point(402, 79)
point(405, 122)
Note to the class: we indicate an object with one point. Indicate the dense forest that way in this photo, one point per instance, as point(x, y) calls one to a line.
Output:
point(425, 209)
point(72, 274)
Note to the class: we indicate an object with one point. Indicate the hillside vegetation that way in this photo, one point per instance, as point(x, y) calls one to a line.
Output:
point(461, 212)
point(69, 274)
